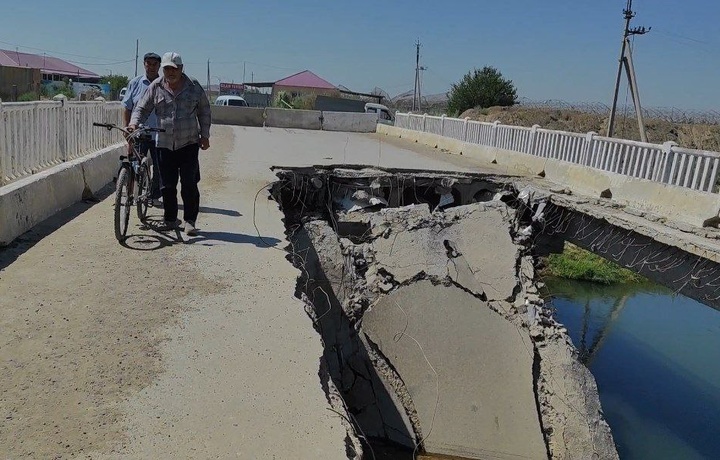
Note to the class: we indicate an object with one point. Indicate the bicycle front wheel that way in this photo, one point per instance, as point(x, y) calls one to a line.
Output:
point(123, 201)
point(142, 195)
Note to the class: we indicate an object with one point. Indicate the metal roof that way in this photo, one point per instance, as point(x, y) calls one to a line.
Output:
point(46, 64)
point(305, 79)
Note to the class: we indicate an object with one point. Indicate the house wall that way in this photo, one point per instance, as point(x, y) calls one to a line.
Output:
point(339, 104)
point(16, 81)
point(303, 90)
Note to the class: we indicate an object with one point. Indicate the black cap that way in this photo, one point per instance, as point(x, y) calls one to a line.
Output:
point(151, 56)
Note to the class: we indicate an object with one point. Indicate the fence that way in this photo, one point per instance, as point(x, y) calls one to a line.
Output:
point(666, 163)
point(38, 135)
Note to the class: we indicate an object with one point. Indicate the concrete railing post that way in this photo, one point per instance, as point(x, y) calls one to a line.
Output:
point(3, 153)
point(62, 130)
point(465, 128)
point(588, 148)
point(669, 163)
point(424, 122)
point(493, 137)
point(442, 124)
point(532, 148)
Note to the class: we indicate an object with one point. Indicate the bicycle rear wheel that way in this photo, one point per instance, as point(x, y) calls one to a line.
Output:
point(142, 188)
point(123, 201)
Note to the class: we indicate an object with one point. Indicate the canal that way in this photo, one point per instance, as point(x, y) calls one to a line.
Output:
point(656, 359)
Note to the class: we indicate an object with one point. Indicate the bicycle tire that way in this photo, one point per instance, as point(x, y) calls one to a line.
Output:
point(142, 195)
point(123, 199)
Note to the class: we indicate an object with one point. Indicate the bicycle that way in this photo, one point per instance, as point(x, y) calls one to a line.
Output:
point(133, 182)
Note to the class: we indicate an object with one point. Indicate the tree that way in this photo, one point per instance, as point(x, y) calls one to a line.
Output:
point(481, 88)
point(117, 82)
point(65, 89)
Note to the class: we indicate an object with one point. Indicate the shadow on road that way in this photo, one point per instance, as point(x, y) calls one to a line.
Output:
point(147, 242)
point(223, 212)
point(27, 240)
point(161, 238)
point(206, 238)
point(211, 210)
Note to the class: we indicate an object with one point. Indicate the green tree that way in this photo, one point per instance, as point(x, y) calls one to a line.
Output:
point(283, 100)
point(117, 82)
point(65, 89)
point(481, 88)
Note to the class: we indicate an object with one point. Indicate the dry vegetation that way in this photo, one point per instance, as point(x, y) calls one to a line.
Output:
point(695, 136)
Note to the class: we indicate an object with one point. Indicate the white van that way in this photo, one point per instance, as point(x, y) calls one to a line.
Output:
point(235, 101)
point(384, 114)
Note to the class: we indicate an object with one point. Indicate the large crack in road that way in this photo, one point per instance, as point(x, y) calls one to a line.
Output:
point(423, 289)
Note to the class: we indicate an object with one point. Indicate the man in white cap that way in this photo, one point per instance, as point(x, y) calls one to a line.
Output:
point(183, 111)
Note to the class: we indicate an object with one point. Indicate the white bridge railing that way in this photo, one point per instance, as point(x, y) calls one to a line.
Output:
point(666, 163)
point(38, 135)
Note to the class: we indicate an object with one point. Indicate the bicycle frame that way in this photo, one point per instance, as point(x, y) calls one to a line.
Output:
point(133, 181)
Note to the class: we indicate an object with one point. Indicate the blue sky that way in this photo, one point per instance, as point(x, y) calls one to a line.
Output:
point(551, 49)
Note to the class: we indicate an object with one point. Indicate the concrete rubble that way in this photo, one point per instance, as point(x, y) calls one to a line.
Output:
point(423, 289)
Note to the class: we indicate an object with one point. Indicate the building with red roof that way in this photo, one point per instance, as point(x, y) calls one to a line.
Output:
point(24, 72)
point(51, 68)
point(305, 83)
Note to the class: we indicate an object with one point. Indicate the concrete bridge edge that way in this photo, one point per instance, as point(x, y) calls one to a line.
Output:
point(670, 202)
point(27, 202)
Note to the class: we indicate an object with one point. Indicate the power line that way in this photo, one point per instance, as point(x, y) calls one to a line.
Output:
point(100, 65)
point(57, 52)
point(670, 34)
point(698, 45)
point(255, 63)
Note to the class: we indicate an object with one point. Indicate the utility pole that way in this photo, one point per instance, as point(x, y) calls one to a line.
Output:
point(419, 85)
point(137, 53)
point(416, 99)
point(627, 63)
point(243, 82)
point(208, 78)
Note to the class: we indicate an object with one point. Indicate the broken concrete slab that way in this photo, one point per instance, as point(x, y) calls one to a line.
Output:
point(571, 408)
point(340, 254)
point(468, 370)
point(471, 245)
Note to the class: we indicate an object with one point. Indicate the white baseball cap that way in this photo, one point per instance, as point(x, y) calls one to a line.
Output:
point(171, 59)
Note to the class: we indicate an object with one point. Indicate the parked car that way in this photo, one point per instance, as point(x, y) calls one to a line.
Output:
point(235, 101)
point(383, 112)
point(122, 93)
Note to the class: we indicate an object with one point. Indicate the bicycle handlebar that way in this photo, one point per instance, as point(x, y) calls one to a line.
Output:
point(141, 128)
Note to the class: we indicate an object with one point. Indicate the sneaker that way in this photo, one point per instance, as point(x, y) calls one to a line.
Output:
point(190, 229)
point(169, 225)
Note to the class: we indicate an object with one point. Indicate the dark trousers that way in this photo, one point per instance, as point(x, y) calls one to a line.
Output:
point(155, 183)
point(183, 164)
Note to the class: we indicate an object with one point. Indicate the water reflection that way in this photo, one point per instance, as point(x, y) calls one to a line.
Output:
point(655, 359)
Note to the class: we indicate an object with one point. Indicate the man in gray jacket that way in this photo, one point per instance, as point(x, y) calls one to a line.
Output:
point(183, 111)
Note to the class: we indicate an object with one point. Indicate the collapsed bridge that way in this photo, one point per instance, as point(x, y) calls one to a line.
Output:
point(422, 286)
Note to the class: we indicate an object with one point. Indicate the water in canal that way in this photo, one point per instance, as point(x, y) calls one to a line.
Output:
point(656, 360)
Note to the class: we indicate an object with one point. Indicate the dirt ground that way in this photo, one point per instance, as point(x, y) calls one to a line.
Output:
point(694, 136)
